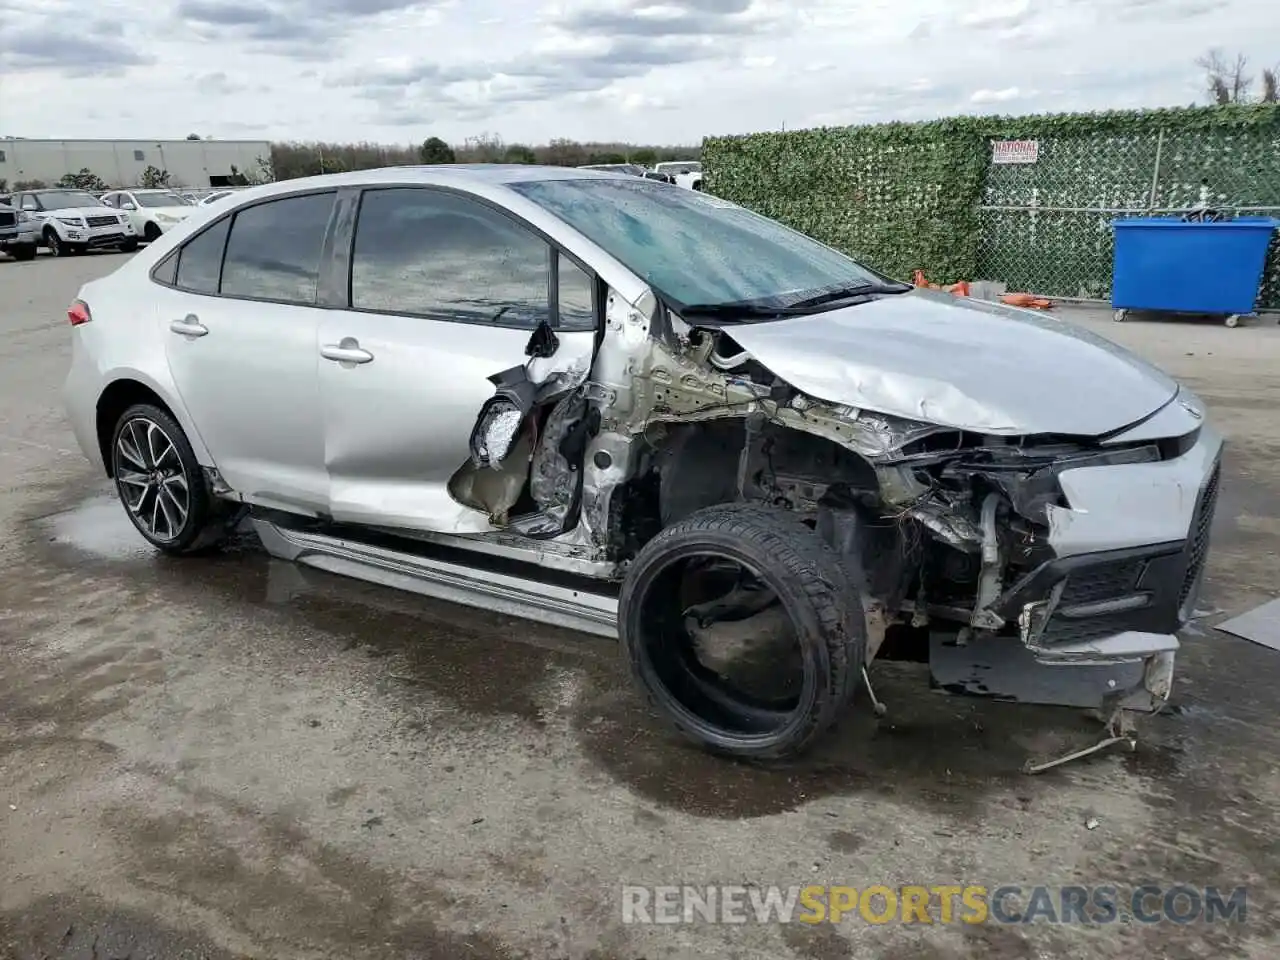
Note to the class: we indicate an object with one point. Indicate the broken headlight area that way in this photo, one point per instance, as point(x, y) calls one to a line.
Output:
point(972, 515)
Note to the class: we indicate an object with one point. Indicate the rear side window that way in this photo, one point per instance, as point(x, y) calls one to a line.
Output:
point(201, 259)
point(576, 302)
point(166, 270)
point(433, 254)
point(274, 249)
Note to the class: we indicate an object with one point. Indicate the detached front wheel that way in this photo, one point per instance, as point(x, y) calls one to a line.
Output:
point(742, 626)
point(161, 484)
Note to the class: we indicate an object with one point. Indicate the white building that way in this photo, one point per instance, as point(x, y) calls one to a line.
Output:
point(190, 163)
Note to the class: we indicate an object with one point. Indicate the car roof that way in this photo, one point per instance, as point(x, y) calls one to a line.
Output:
point(452, 173)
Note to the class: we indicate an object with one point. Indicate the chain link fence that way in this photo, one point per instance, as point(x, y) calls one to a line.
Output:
point(1045, 226)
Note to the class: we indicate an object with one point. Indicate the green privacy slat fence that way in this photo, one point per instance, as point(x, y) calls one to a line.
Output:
point(928, 196)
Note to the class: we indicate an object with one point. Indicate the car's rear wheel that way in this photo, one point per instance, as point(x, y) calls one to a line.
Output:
point(161, 484)
point(743, 627)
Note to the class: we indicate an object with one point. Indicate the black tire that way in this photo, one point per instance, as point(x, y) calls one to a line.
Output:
point(203, 523)
point(129, 246)
point(814, 588)
point(151, 232)
point(24, 251)
point(55, 244)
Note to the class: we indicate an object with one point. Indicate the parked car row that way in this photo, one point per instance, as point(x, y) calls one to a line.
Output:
point(69, 221)
point(682, 173)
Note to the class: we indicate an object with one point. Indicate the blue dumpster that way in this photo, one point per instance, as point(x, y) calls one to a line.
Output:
point(1183, 266)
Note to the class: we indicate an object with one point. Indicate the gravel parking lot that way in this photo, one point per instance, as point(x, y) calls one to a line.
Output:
point(224, 757)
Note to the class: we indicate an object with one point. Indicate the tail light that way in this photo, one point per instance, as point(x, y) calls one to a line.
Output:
point(78, 313)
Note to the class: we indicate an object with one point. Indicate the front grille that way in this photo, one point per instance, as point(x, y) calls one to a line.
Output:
point(1102, 581)
point(1082, 630)
point(1198, 540)
point(8, 218)
point(1097, 583)
point(102, 221)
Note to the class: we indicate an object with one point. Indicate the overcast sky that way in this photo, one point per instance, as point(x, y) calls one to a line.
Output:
point(658, 71)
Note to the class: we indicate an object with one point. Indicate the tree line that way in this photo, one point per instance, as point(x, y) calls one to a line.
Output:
point(304, 159)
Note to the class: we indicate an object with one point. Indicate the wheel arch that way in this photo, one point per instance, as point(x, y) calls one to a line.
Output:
point(124, 391)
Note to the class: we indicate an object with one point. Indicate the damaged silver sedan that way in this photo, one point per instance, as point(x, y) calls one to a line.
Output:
point(608, 404)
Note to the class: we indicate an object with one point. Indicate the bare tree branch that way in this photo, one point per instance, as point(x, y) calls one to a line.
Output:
point(1226, 82)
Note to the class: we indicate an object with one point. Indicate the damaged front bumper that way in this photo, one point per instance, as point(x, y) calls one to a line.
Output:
point(1121, 603)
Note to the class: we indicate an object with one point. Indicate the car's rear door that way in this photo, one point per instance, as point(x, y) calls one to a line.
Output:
point(443, 291)
point(240, 320)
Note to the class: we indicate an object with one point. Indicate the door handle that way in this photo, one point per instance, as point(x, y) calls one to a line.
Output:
point(348, 350)
point(189, 326)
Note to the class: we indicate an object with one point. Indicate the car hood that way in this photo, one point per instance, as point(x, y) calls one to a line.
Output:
point(79, 212)
point(957, 362)
point(170, 211)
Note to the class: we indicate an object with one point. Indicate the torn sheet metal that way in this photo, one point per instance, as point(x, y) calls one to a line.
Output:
point(1261, 625)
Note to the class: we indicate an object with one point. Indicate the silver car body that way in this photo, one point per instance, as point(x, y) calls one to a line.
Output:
point(284, 419)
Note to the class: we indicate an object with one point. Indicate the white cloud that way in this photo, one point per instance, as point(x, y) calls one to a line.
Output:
point(995, 96)
point(641, 70)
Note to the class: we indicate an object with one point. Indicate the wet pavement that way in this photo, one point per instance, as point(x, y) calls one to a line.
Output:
point(229, 756)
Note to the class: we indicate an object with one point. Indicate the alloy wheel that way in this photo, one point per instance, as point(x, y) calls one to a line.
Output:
point(151, 479)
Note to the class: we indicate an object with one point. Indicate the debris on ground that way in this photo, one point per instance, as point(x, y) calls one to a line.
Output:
point(960, 289)
point(1029, 300)
point(1261, 625)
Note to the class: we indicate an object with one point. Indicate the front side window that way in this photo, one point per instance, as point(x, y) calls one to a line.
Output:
point(274, 249)
point(433, 254)
point(200, 262)
point(696, 249)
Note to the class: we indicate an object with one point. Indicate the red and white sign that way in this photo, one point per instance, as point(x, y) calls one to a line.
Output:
point(1015, 151)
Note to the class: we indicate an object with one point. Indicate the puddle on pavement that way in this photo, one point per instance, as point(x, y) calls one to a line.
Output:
point(99, 528)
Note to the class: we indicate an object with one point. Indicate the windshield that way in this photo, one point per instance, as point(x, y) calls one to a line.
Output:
point(694, 248)
point(66, 199)
point(682, 166)
point(160, 200)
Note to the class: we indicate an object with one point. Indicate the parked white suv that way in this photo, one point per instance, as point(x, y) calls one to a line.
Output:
point(72, 221)
point(683, 173)
point(151, 212)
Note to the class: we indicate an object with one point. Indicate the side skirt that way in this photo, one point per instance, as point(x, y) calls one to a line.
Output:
point(506, 587)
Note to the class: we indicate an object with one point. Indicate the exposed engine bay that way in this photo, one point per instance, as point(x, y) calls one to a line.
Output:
point(937, 524)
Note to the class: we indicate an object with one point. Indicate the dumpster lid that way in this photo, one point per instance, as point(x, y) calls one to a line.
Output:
point(1239, 223)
